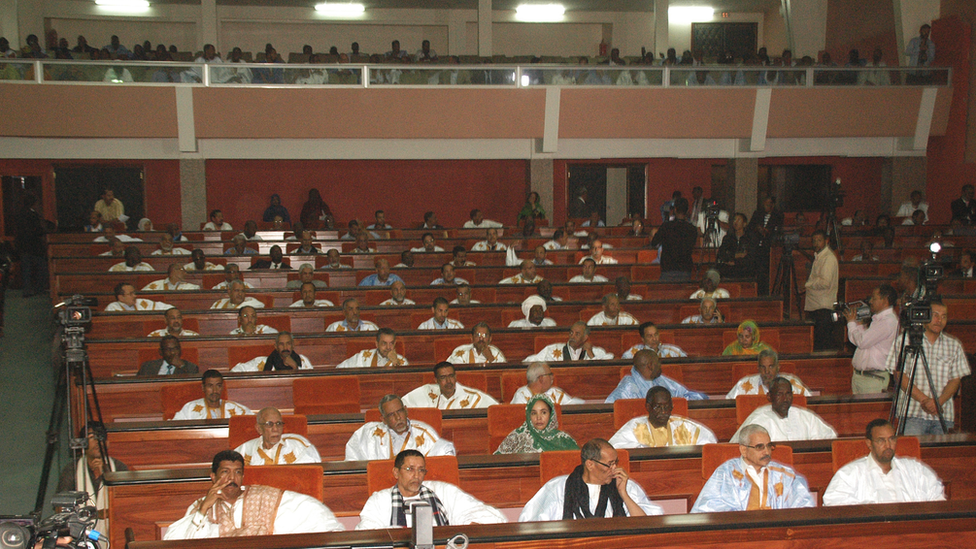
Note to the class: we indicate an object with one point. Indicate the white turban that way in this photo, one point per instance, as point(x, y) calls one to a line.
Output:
point(530, 302)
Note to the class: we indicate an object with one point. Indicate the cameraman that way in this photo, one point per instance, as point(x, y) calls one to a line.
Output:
point(87, 474)
point(873, 342)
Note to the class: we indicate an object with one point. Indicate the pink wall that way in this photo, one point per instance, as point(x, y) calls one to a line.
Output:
point(865, 25)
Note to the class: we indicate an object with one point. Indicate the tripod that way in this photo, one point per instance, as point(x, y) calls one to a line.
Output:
point(914, 334)
point(831, 227)
point(785, 284)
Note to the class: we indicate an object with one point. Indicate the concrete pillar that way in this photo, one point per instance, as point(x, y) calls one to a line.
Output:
point(8, 23)
point(616, 194)
point(208, 27)
point(908, 173)
point(743, 185)
point(540, 181)
point(807, 26)
point(484, 28)
point(193, 192)
point(661, 38)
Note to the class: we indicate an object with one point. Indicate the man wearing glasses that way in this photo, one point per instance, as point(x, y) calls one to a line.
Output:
point(753, 481)
point(274, 446)
point(390, 507)
point(596, 488)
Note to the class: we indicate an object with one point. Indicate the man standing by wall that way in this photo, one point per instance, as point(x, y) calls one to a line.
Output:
point(821, 292)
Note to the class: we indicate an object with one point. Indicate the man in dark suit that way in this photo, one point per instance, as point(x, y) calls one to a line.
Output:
point(965, 269)
point(964, 207)
point(171, 363)
point(277, 261)
point(765, 222)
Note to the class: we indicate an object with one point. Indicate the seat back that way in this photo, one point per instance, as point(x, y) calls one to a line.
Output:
point(237, 354)
point(504, 418)
point(430, 416)
point(714, 455)
point(627, 409)
point(746, 404)
point(173, 396)
point(304, 479)
point(241, 429)
point(847, 450)
point(511, 381)
point(379, 474)
point(562, 462)
point(186, 353)
point(443, 346)
point(331, 390)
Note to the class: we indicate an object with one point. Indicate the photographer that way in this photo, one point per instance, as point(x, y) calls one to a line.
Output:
point(87, 474)
point(736, 257)
point(873, 341)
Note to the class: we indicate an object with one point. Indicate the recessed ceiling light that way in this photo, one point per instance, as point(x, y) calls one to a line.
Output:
point(690, 14)
point(124, 5)
point(338, 9)
point(540, 12)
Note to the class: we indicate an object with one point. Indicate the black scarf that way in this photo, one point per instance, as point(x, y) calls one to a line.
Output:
point(576, 502)
point(275, 362)
point(399, 518)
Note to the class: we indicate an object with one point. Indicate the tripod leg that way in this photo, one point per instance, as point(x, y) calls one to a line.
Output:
point(53, 433)
point(935, 396)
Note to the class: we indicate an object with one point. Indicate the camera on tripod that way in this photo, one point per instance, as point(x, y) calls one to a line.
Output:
point(76, 311)
point(835, 195)
point(861, 309)
point(712, 210)
point(72, 519)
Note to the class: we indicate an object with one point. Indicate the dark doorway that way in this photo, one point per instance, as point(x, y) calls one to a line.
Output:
point(594, 178)
point(77, 188)
point(637, 191)
point(14, 189)
point(714, 39)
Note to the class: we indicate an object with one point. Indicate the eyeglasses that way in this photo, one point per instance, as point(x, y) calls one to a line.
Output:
point(412, 470)
point(610, 465)
point(761, 447)
point(270, 424)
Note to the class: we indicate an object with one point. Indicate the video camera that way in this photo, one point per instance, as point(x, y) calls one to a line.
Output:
point(835, 195)
point(712, 210)
point(861, 308)
point(76, 311)
point(917, 311)
point(72, 519)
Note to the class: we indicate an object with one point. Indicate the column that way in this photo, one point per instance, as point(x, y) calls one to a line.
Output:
point(616, 194)
point(208, 26)
point(908, 173)
point(193, 192)
point(8, 23)
point(540, 181)
point(807, 26)
point(661, 38)
point(484, 28)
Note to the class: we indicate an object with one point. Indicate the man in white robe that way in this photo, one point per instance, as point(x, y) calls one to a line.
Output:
point(440, 321)
point(651, 340)
point(247, 323)
point(351, 321)
point(174, 325)
point(274, 446)
point(660, 427)
point(526, 276)
point(534, 309)
point(597, 255)
point(753, 481)
point(232, 273)
point(645, 374)
point(395, 433)
point(175, 281)
point(579, 347)
point(480, 350)
point(384, 355)
point(783, 421)
point(200, 262)
point(490, 243)
point(236, 298)
point(611, 315)
point(560, 241)
point(133, 262)
point(881, 477)
point(126, 300)
point(758, 384)
point(398, 295)
point(390, 507)
point(446, 393)
point(166, 247)
point(541, 380)
point(221, 512)
point(283, 357)
point(212, 406)
point(589, 275)
point(308, 298)
point(611, 492)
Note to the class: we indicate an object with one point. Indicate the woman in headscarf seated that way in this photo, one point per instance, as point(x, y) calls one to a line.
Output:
point(747, 341)
point(276, 209)
point(539, 433)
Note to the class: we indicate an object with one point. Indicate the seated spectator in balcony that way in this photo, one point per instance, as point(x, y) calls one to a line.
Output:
point(362, 243)
point(425, 54)
point(354, 230)
point(211, 406)
point(94, 222)
point(539, 433)
point(351, 321)
point(430, 222)
point(171, 363)
point(747, 341)
point(314, 211)
point(118, 74)
point(133, 262)
point(175, 281)
point(174, 325)
point(598, 256)
point(578, 347)
point(826, 77)
point(877, 77)
point(166, 247)
point(236, 297)
point(233, 75)
point(126, 300)
point(447, 277)
point(459, 257)
point(622, 283)
point(637, 227)
point(398, 293)
point(867, 252)
point(116, 248)
point(560, 241)
point(534, 309)
point(611, 315)
point(759, 383)
point(110, 208)
point(82, 46)
point(709, 287)
point(784, 421)
point(354, 49)
point(479, 351)
point(275, 262)
point(379, 222)
point(269, 75)
point(464, 296)
point(915, 202)
point(708, 313)
point(384, 355)
point(440, 321)
point(589, 275)
point(660, 428)
point(651, 340)
point(305, 276)
point(382, 276)
point(217, 222)
point(964, 207)
point(594, 221)
point(247, 323)
point(532, 209)
point(526, 276)
point(276, 209)
point(446, 393)
point(32, 49)
point(308, 300)
point(239, 246)
point(917, 219)
point(395, 53)
point(116, 48)
point(478, 221)
point(646, 373)
point(145, 225)
point(210, 56)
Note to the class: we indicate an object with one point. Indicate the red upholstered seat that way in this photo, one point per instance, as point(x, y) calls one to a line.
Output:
point(237, 354)
point(241, 429)
point(746, 404)
point(173, 396)
point(504, 418)
point(846, 451)
point(326, 395)
point(714, 455)
point(186, 353)
point(443, 345)
point(379, 474)
point(627, 409)
point(282, 323)
point(553, 464)
point(304, 479)
point(430, 416)
point(770, 336)
point(511, 382)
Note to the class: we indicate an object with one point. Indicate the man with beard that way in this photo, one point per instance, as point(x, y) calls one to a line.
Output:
point(284, 357)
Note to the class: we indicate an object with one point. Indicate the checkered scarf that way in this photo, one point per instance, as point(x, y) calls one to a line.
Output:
point(399, 518)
